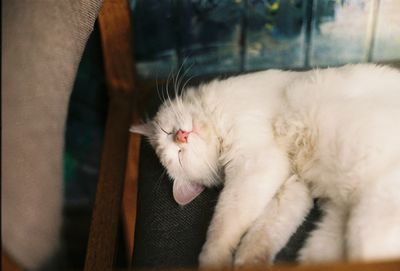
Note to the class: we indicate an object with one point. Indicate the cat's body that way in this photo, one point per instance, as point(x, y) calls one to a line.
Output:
point(276, 139)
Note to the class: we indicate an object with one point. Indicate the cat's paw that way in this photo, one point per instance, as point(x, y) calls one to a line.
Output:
point(316, 251)
point(212, 258)
point(255, 248)
point(252, 255)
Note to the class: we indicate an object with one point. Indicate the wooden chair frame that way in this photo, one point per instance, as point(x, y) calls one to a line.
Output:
point(120, 154)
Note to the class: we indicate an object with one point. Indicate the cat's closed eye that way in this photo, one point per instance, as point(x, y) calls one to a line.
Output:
point(163, 130)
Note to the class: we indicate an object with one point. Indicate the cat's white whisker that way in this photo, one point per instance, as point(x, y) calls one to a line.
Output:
point(177, 79)
point(178, 87)
point(158, 182)
point(188, 81)
point(172, 106)
point(180, 159)
point(158, 92)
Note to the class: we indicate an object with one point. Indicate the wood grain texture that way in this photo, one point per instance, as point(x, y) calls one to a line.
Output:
point(129, 199)
point(107, 206)
point(116, 38)
point(393, 265)
point(373, 266)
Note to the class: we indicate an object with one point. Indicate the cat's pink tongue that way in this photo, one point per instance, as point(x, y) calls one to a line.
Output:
point(186, 192)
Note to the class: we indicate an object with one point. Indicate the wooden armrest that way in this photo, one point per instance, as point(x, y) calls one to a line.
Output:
point(8, 264)
point(116, 38)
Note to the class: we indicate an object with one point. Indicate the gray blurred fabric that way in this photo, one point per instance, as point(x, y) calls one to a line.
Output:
point(42, 43)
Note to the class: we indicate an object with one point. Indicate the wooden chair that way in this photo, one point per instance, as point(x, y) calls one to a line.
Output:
point(8, 264)
point(117, 186)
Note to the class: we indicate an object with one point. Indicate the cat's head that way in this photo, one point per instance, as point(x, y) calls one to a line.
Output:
point(184, 138)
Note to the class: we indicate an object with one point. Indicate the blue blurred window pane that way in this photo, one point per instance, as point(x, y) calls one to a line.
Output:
point(275, 34)
point(210, 34)
point(341, 31)
point(228, 36)
point(155, 37)
point(387, 35)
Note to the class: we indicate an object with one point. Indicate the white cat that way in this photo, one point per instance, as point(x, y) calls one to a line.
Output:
point(276, 139)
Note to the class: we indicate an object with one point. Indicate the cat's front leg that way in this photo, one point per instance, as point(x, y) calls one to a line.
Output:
point(250, 183)
point(273, 228)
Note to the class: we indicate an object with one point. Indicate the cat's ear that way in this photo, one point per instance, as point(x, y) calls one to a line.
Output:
point(185, 192)
point(145, 129)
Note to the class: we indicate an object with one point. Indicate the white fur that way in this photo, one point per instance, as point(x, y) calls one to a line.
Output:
point(326, 243)
point(337, 129)
point(272, 229)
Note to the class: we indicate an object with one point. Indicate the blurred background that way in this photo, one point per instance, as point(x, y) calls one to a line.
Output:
point(213, 37)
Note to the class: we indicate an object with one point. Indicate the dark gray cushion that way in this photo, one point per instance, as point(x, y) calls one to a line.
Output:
point(167, 234)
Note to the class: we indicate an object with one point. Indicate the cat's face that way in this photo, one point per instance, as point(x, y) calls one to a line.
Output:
point(187, 146)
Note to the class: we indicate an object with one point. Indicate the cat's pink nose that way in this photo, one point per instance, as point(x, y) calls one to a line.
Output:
point(182, 136)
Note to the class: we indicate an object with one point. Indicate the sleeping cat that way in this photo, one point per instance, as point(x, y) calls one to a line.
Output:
point(275, 140)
